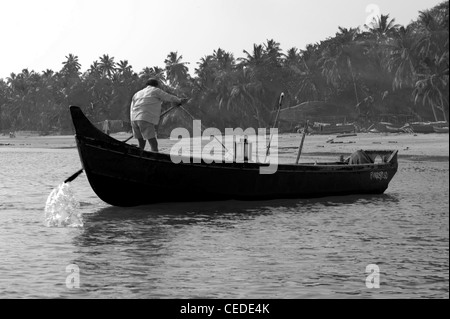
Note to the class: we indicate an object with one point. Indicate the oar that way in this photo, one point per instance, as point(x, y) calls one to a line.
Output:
point(203, 127)
point(77, 173)
point(128, 139)
point(170, 109)
point(301, 143)
point(71, 178)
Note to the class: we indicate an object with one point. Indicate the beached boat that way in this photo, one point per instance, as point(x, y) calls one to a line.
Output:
point(123, 175)
point(394, 129)
point(331, 129)
point(443, 129)
point(385, 127)
point(427, 127)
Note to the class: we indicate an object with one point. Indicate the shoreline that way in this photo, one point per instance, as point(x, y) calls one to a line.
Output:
point(411, 147)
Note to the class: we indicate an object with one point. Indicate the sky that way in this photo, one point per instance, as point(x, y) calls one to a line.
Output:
point(39, 34)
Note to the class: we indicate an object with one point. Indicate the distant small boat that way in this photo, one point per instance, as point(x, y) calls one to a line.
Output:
point(426, 127)
point(392, 129)
point(385, 127)
point(441, 129)
point(421, 128)
point(124, 175)
point(332, 129)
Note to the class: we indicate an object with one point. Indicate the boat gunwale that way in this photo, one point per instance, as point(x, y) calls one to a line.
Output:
point(248, 166)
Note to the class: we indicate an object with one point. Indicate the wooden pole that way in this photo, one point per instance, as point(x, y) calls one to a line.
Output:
point(280, 101)
point(301, 143)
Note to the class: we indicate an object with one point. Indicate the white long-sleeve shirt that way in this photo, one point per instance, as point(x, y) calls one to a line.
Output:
point(146, 104)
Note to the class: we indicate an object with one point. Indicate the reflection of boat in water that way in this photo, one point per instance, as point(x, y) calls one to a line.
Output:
point(187, 213)
point(123, 175)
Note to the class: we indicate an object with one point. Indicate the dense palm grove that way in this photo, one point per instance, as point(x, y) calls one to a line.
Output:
point(385, 68)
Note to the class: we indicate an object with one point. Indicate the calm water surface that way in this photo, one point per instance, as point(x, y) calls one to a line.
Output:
point(276, 249)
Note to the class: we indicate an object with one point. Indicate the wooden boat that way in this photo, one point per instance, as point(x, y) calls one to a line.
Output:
point(427, 127)
point(440, 129)
point(393, 129)
point(123, 175)
point(332, 129)
point(385, 127)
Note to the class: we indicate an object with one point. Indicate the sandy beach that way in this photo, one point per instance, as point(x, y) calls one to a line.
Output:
point(422, 147)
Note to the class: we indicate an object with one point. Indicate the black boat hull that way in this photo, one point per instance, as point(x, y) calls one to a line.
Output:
point(123, 175)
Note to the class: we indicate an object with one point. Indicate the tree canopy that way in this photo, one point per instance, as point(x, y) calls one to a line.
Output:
point(381, 68)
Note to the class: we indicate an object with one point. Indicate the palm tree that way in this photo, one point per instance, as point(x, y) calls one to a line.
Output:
point(70, 78)
point(433, 34)
point(107, 66)
point(124, 69)
point(382, 27)
point(224, 71)
point(256, 58)
point(429, 89)
point(4, 89)
point(292, 58)
point(433, 53)
point(177, 71)
point(225, 60)
point(12, 80)
point(263, 67)
point(48, 73)
point(245, 100)
point(337, 57)
point(94, 69)
point(273, 52)
point(205, 71)
point(309, 87)
point(402, 58)
point(99, 85)
point(154, 72)
point(211, 88)
point(71, 67)
point(25, 88)
point(433, 85)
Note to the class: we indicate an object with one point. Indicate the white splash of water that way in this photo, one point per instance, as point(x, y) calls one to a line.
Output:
point(61, 207)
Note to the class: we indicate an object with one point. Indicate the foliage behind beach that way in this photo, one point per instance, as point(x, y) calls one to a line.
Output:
point(379, 69)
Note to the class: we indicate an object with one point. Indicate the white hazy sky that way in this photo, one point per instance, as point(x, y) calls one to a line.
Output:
point(38, 34)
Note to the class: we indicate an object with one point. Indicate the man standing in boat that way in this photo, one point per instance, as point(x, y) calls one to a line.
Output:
point(145, 112)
